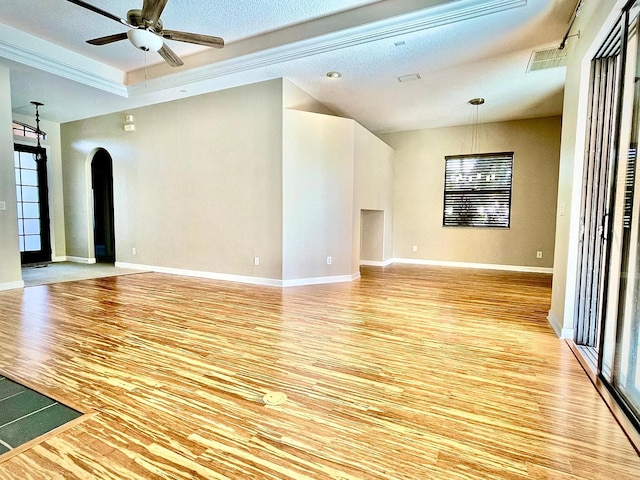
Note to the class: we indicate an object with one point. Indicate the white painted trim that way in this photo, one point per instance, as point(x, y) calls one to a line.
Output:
point(555, 324)
point(298, 282)
point(481, 266)
point(201, 274)
point(59, 259)
point(568, 333)
point(28, 50)
point(376, 263)
point(12, 285)
point(89, 261)
point(269, 282)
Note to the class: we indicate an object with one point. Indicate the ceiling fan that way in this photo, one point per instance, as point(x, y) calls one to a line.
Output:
point(147, 33)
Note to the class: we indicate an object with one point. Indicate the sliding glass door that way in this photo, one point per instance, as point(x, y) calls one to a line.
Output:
point(620, 362)
point(608, 296)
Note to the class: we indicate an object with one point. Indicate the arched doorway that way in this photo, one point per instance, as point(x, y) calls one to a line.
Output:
point(103, 219)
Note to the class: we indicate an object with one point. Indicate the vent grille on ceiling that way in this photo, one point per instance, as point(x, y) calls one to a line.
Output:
point(549, 58)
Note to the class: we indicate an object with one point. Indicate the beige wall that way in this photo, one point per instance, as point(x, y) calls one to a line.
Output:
point(373, 189)
point(10, 274)
point(207, 183)
point(419, 183)
point(594, 23)
point(197, 185)
point(333, 169)
point(317, 178)
point(372, 236)
point(294, 98)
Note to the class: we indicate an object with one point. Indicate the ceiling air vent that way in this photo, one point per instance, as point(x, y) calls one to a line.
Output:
point(549, 58)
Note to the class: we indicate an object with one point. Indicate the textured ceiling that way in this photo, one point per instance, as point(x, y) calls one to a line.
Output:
point(460, 48)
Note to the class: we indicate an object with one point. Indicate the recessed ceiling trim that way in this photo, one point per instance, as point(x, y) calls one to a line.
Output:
point(33, 52)
point(402, 24)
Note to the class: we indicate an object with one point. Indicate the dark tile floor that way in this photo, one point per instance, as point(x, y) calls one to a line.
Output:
point(26, 414)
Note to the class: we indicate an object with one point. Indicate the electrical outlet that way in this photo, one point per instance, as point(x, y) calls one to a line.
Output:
point(539, 254)
point(3, 206)
point(134, 251)
point(256, 261)
point(329, 260)
point(415, 248)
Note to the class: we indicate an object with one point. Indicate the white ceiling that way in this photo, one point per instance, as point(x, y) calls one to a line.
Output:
point(460, 48)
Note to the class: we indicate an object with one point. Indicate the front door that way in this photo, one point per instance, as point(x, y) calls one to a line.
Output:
point(33, 204)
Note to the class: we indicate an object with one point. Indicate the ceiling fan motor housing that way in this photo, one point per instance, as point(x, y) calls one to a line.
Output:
point(134, 18)
point(145, 40)
point(147, 32)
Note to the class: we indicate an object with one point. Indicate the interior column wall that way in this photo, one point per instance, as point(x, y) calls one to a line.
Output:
point(317, 178)
point(10, 272)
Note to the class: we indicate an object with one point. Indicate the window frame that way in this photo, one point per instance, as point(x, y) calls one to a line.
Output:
point(447, 193)
point(25, 130)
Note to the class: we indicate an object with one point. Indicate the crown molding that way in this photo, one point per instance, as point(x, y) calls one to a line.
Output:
point(31, 51)
point(28, 50)
point(423, 19)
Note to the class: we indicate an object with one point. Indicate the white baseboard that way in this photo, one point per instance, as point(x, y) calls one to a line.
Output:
point(81, 260)
point(376, 263)
point(59, 259)
point(11, 285)
point(568, 333)
point(482, 266)
point(299, 282)
point(269, 282)
point(556, 324)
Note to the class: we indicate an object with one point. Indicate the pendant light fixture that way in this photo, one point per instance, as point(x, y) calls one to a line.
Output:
point(476, 102)
point(40, 152)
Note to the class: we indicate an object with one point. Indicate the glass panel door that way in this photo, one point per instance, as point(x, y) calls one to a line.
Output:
point(33, 207)
point(619, 356)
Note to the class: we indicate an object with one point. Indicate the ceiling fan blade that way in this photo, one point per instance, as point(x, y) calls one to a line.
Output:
point(108, 39)
point(152, 9)
point(170, 56)
point(99, 11)
point(196, 38)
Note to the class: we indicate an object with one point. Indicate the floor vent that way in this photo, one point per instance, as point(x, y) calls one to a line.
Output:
point(548, 58)
point(274, 398)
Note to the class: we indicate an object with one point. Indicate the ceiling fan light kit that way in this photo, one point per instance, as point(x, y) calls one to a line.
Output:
point(145, 40)
point(147, 32)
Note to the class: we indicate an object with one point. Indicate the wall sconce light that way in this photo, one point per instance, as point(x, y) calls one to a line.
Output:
point(129, 126)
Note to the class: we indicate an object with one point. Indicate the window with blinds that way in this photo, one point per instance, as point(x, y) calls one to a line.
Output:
point(477, 190)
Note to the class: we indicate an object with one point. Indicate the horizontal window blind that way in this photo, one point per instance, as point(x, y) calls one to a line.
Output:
point(477, 190)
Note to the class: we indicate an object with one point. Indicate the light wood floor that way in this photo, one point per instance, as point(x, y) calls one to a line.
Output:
point(409, 373)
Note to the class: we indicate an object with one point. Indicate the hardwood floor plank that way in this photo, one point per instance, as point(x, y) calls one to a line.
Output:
point(408, 373)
